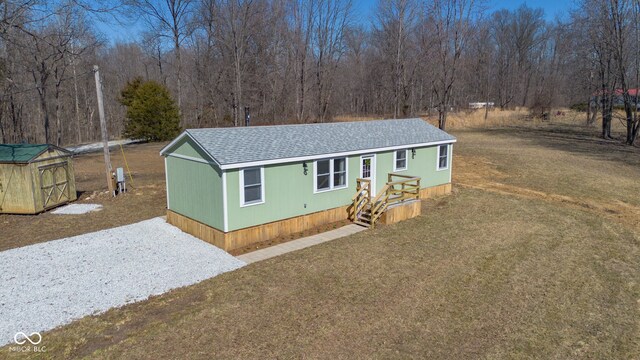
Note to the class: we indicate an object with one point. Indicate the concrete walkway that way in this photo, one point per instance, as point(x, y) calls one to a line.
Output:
point(298, 244)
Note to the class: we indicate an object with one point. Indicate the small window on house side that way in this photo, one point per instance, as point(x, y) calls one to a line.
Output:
point(323, 174)
point(443, 157)
point(339, 172)
point(252, 186)
point(400, 160)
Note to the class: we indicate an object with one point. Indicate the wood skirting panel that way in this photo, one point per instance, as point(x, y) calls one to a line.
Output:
point(434, 191)
point(402, 212)
point(201, 231)
point(254, 234)
point(243, 237)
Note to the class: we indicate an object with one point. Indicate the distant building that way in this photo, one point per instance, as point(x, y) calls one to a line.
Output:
point(480, 105)
point(618, 97)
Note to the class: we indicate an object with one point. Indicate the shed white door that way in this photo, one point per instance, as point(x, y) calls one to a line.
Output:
point(368, 170)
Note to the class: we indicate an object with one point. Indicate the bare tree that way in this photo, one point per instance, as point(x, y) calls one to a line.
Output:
point(238, 21)
point(396, 22)
point(600, 31)
point(353, 72)
point(451, 27)
point(300, 61)
point(302, 18)
point(170, 19)
point(623, 15)
point(328, 47)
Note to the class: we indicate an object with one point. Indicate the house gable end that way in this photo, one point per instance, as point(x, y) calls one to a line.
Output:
point(186, 147)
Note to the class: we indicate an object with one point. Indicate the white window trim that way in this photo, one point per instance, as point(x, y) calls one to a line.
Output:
point(438, 168)
point(346, 173)
point(225, 208)
point(241, 187)
point(315, 176)
point(166, 180)
point(450, 161)
point(331, 175)
point(395, 160)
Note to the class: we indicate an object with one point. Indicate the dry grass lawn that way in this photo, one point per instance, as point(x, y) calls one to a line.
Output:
point(536, 254)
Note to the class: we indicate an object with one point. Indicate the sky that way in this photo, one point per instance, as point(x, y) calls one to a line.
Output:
point(552, 8)
point(364, 10)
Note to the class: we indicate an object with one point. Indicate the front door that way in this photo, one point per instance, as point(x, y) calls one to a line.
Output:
point(368, 170)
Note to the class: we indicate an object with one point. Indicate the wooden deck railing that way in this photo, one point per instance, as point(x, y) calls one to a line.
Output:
point(361, 199)
point(398, 188)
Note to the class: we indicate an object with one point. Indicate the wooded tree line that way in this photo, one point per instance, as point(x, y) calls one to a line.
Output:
point(296, 61)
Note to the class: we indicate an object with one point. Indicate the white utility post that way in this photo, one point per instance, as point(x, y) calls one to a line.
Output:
point(103, 130)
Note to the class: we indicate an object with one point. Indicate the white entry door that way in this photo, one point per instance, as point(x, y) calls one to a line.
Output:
point(368, 170)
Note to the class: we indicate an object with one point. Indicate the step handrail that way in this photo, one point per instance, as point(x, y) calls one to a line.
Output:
point(359, 187)
point(361, 198)
point(409, 189)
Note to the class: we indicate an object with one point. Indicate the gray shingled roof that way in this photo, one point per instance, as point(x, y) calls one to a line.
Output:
point(261, 143)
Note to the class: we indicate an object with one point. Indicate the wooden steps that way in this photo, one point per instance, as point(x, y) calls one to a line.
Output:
point(364, 217)
point(367, 209)
point(364, 224)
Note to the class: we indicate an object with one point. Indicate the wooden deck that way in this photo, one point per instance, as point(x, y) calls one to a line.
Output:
point(366, 209)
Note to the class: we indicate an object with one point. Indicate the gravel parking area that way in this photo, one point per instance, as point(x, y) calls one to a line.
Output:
point(46, 285)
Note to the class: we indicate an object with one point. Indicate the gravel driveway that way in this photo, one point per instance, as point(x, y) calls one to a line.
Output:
point(46, 285)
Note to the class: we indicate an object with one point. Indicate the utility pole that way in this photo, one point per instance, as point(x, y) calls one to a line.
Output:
point(103, 130)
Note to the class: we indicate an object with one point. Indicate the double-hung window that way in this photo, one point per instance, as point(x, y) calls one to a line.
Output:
point(443, 157)
point(330, 174)
point(400, 160)
point(252, 186)
point(323, 175)
point(339, 172)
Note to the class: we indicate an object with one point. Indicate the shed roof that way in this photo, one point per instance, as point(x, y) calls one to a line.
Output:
point(23, 153)
point(254, 145)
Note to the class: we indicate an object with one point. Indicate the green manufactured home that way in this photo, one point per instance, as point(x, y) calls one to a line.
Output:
point(236, 186)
